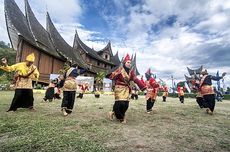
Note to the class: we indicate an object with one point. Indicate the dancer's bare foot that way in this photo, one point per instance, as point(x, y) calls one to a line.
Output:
point(110, 115)
point(11, 111)
point(64, 112)
point(209, 111)
point(124, 121)
point(32, 109)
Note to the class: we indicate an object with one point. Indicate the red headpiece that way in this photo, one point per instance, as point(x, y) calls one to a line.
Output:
point(165, 88)
point(127, 57)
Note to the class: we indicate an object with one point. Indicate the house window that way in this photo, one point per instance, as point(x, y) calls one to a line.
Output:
point(98, 63)
point(88, 59)
point(106, 57)
point(105, 66)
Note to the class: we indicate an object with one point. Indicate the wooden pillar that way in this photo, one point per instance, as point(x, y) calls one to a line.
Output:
point(39, 60)
point(52, 70)
point(19, 50)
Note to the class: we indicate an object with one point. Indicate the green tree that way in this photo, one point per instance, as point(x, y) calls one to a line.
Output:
point(228, 89)
point(10, 55)
point(3, 45)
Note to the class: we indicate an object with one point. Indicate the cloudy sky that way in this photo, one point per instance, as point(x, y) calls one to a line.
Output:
point(167, 36)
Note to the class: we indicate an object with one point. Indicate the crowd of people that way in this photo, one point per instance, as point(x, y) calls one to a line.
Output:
point(126, 84)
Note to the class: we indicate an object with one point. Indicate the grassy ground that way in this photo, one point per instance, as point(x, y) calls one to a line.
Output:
point(171, 127)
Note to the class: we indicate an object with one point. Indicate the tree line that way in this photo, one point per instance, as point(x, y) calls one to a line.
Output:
point(7, 52)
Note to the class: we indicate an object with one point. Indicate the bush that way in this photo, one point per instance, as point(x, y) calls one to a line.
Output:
point(190, 95)
point(141, 93)
point(226, 96)
point(4, 87)
point(38, 86)
point(173, 95)
point(4, 82)
point(160, 94)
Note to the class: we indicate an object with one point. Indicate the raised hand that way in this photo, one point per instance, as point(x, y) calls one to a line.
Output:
point(223, 74)
point(4, 61)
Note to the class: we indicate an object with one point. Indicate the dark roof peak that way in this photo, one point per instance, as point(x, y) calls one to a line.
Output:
point(116, 54)
point(76, 34)
point(76, 40)
point(62, 46)
point(40, 35)
point(134, 64)
point(16, 23)
point(107, 48)
point(91, 52)
point(196, 71)
point(115, 59)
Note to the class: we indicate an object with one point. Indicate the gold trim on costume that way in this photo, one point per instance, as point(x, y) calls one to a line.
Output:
point(207, 89)
point(126, 76)
point(70, 84)
point(24, 83)
point(121, 92)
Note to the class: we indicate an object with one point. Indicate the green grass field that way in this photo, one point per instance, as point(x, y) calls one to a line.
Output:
point(171, 127)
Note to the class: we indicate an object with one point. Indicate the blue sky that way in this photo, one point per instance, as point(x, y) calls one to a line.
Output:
point(167, 35)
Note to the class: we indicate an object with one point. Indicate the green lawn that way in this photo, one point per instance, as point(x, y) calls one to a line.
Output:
point(171, 127)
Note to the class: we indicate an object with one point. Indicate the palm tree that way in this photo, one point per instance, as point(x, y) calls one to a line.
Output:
point(99, 79)
point(64, 68)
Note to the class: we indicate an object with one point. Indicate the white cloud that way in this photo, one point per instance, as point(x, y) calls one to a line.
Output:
point(168, 51)
point(3, 36)
point(62, 11)
point(216, 23)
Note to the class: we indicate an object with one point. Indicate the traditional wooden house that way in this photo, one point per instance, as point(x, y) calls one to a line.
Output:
point(193, 75)
point(27, 35)
point(102, 60)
